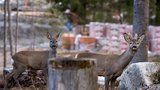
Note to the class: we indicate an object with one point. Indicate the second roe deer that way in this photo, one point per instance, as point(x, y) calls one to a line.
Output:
point(113, 65)
point(33, 59)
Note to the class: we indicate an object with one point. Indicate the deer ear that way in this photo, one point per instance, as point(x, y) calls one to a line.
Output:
point(48, 35)
point(58, 34)
point(127, 37)
point(140, 39)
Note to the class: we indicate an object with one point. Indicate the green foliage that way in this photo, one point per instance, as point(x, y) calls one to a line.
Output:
point(104, 10)
point(54, 11)
point(157, 19)
point(99, 16)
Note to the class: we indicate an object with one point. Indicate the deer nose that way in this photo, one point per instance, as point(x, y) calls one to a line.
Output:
point(53, 46)
point(134, 48)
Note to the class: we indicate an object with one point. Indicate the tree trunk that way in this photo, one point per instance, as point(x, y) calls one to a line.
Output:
point(157, 19)
point(94, 13)
point(140, 24)
point(5, 34)
point(119, 12)
point(9, 27)
point(16, 33)
point(72, 74)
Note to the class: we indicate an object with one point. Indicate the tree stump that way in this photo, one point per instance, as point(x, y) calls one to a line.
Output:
point(72, 74)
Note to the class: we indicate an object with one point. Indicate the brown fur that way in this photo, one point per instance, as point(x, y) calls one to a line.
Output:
point(102, 60)
point(154, 58)
point(114, 65)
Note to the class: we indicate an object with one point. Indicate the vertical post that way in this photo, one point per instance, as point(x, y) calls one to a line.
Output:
point(16, 33)
point(72, 74)
point(5, 34)
point(140, 26)
point(9, 27)
point(157, 19)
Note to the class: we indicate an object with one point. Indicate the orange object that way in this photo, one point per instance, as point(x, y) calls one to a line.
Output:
point(87, 40)
point(67, 40)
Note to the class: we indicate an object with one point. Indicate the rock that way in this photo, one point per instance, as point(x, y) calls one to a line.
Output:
point(154, 87)
point(139, 76)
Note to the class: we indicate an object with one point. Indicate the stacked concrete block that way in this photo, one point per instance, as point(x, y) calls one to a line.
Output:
point(123, 29)
point(105, 43)
point(154, 39)
point(154, 32)
point(114, 39)
point(155, 45)
point(96, 29)
point(112, 36)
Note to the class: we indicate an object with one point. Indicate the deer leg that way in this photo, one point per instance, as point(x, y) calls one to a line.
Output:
point(106, 83)
point(45, 71)
point(113, 84)
point(17, 70)
point(7, 79)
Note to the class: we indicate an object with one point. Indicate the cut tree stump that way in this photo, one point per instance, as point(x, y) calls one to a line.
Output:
point(72, 74)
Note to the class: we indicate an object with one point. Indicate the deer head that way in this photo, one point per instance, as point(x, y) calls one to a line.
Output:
point(53, 43)
point(134, 42)
point(53, 40)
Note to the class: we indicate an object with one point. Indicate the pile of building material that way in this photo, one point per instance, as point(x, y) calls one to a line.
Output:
point(111, 38)
point(154, 39)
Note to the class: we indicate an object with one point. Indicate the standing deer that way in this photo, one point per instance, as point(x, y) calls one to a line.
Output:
point(113, 65)
point(33, 59)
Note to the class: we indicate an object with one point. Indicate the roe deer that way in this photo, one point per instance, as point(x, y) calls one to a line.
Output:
point(113, 65)
point(33, 59)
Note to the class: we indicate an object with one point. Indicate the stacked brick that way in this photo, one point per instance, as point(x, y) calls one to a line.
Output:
point(110, 36)
point(96, 29)
point(123, 29)
point(113, 36)
point(154, 39)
